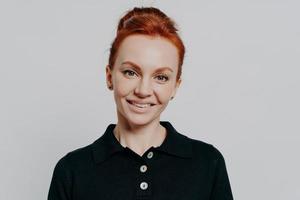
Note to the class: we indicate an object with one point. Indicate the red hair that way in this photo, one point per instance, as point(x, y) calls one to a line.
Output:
point(148, 21)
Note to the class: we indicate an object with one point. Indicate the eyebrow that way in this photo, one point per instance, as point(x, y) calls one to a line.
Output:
point(136, 67)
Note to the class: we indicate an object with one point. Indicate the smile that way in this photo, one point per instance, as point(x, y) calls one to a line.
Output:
point(140, 105)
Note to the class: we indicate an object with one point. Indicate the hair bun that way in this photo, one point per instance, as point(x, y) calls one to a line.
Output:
point(146, 16)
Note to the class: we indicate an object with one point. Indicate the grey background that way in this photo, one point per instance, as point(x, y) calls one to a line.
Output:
point(240, 88)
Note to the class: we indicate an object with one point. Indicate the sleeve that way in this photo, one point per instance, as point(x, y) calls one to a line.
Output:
point(221, 186)
point(61, 183)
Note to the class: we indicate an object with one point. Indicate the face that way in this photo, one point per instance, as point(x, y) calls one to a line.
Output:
point(143, 78)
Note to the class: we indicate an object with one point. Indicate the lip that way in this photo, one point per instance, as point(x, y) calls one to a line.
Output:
point(139, 109)
point(139, 102)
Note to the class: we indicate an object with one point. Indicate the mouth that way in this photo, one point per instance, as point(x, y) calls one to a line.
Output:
point(140, 105)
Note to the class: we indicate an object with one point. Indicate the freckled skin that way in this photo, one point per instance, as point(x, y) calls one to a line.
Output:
point(146, 85)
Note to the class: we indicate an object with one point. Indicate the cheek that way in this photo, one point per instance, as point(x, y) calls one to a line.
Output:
point(123, 87)
point(164, 93)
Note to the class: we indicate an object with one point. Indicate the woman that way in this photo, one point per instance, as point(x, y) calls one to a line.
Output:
point(141, 157)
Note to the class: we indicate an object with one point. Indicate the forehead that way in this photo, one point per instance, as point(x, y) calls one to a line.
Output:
point(148, 52)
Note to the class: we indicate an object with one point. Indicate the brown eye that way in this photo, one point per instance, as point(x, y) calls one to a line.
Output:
point(129, 72)
point(162, 78)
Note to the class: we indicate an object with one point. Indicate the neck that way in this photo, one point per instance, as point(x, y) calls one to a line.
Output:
point(140, 138)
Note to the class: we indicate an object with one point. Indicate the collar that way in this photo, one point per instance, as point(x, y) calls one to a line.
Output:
point(174, 144)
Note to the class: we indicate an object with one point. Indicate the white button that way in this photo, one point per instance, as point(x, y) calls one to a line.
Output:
point(150, 155)
point(143, 168)
point(144, 185)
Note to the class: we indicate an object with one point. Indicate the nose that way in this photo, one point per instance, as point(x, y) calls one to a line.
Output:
point(144, 88)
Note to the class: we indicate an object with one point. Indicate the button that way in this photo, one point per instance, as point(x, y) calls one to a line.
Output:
point(144, 185)
point(150, 155)
point(143, 168)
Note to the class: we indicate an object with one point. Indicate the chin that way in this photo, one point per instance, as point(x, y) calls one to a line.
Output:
point(139, 120)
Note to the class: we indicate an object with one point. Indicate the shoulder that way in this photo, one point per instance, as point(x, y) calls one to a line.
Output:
point(76, 159)
point(204, 151)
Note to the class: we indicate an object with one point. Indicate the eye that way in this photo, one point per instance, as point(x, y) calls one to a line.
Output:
point(163, 78)
point(129, 72)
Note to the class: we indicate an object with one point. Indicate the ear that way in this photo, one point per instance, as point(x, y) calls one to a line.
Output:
point(178, 82)
point(108, 76)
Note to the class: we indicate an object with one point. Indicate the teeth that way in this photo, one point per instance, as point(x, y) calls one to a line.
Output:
point(141, 105)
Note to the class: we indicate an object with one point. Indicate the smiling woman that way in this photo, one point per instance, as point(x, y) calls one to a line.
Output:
point(141, 157)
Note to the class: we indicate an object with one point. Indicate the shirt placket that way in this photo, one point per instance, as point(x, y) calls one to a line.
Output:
point(144, 184)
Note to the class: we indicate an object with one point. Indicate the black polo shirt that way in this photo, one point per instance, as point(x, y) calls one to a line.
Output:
point(181, 168)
